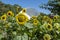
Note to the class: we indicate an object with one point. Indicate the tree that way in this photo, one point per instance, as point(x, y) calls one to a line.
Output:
point(53, 6)
point(4, 8)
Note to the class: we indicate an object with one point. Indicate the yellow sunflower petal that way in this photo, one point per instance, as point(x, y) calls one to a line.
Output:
point(10, 13)
point(49, 27)
point(24, 10)
point(3, 17)
point(21, 18)
point(35, 22)
point(46, 37)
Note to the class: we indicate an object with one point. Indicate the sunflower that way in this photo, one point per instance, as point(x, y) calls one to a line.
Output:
point(35, 22)
point(49, 27)
point(10, 13)
point(46, 37)
point(56, 16)
point(50, 21)
point(24, 10)
point(3, 17)
point(21, 18)
point(34, 17)
point(56, 25)
point(45, 18)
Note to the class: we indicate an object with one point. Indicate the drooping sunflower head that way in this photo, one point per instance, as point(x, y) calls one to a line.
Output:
point(21, 18)
point(35, 22)
point(49, 27)
point(10, 13)
point(3, 17)
point(56, 16)
point(34, 17)
point(24, 10)
point(17, 8)
point(45, 18)
point(7, 25)
point(56, 25)
point(1, 31)
point(47, 37)
point(50, 21)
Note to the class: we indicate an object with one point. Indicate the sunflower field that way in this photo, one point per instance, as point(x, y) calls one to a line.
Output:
point(20, 27)
point(17, 26)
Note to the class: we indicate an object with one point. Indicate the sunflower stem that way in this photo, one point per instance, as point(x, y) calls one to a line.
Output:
point(21, 37)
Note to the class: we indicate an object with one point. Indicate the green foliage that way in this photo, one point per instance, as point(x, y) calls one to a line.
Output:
point(53, 6)
point(4, 8)
point(11, 30)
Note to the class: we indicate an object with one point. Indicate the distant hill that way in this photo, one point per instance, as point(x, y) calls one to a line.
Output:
point(32, 12)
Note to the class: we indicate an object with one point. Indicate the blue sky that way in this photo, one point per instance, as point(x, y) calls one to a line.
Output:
point(28, 4)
